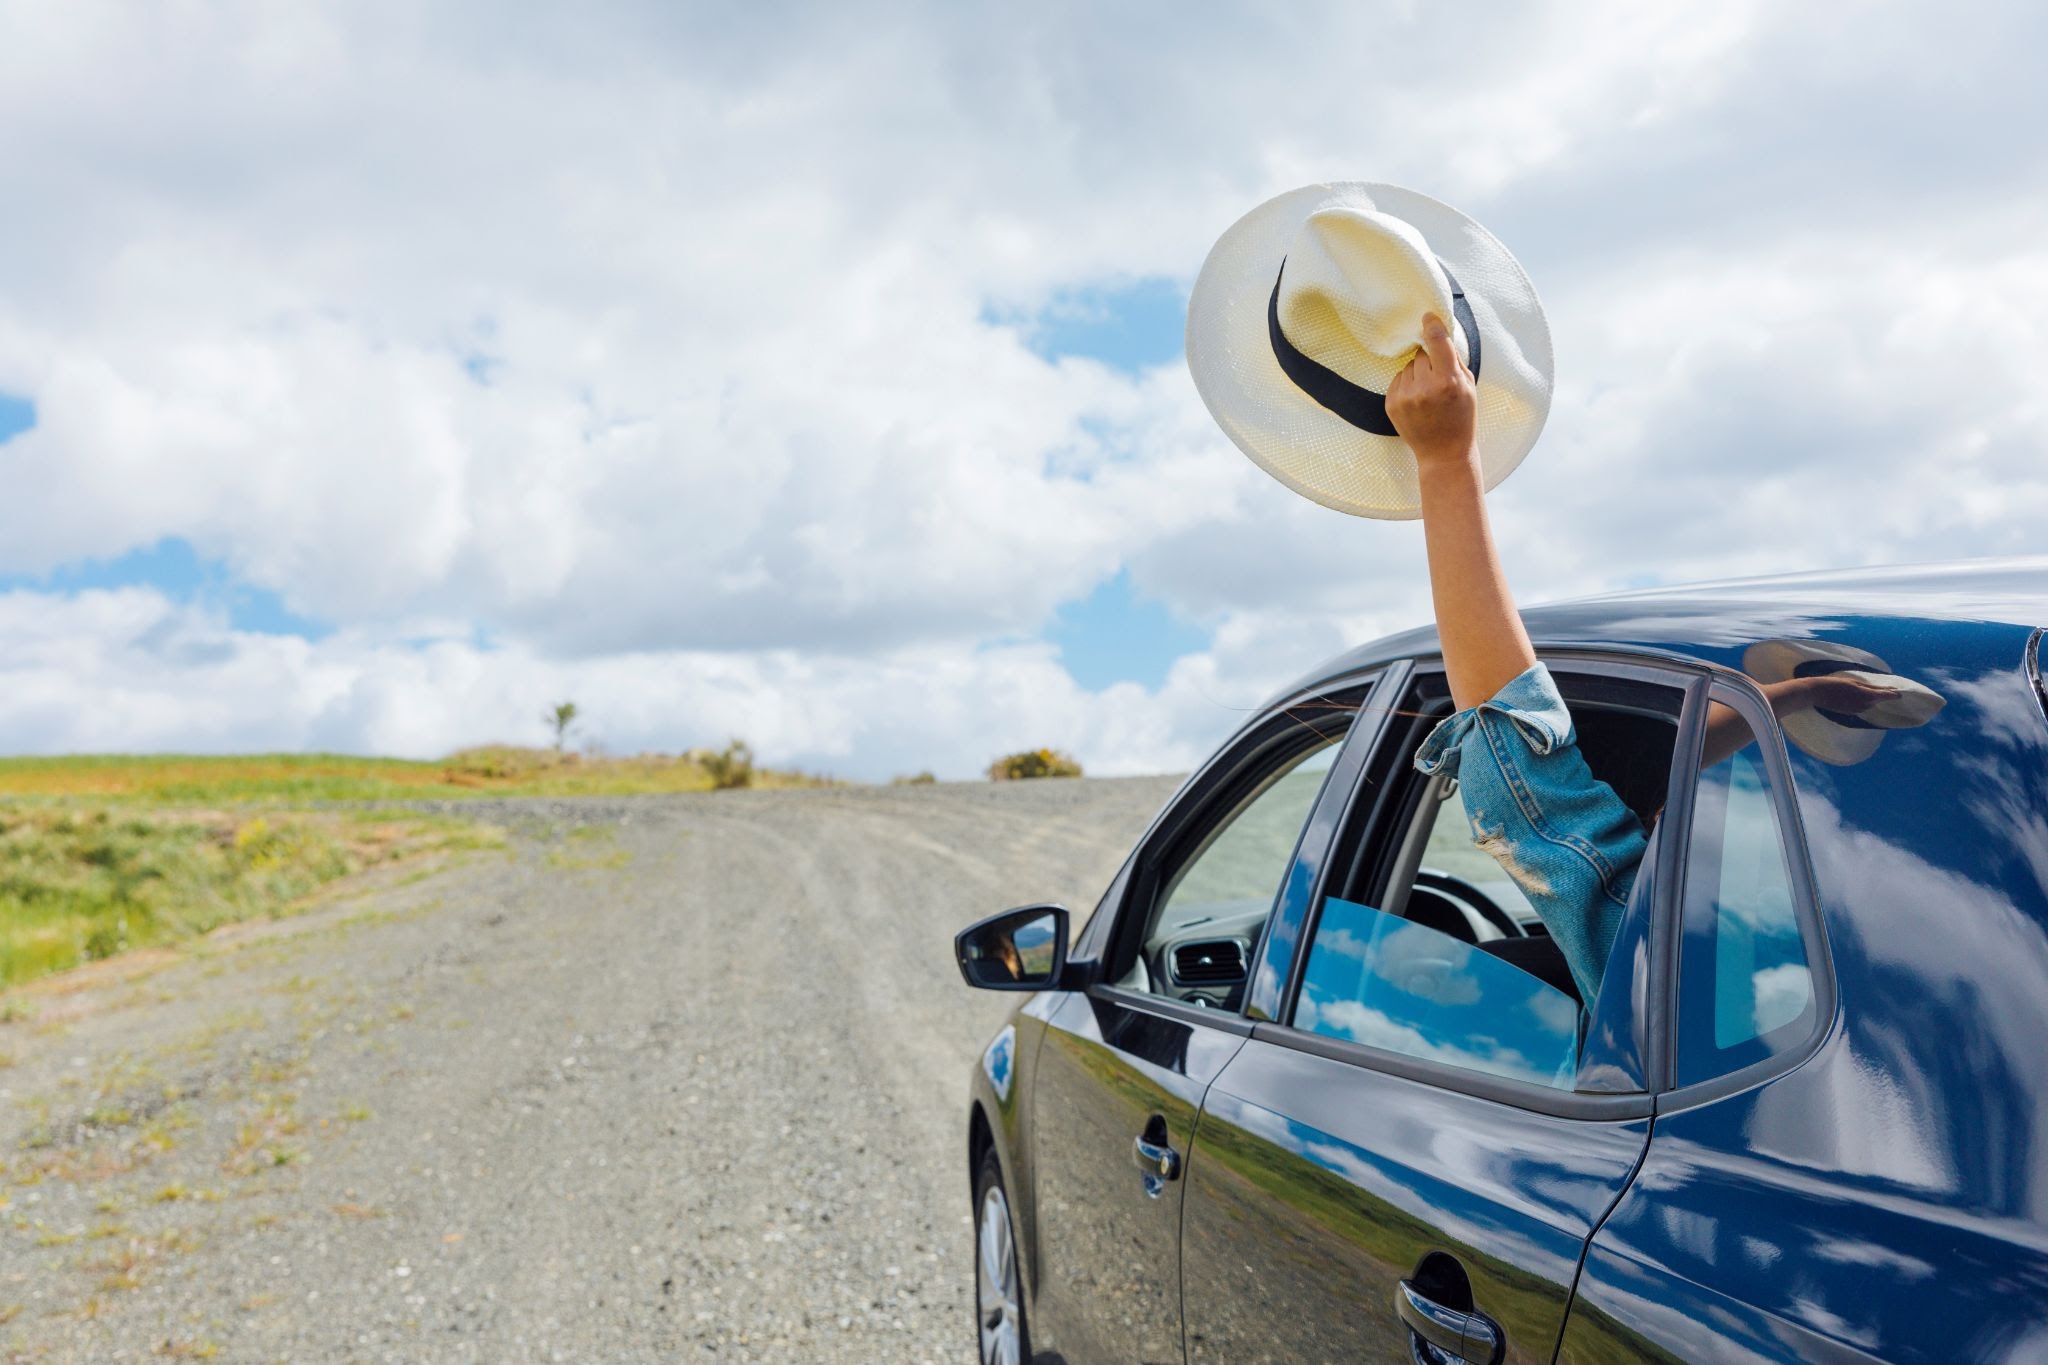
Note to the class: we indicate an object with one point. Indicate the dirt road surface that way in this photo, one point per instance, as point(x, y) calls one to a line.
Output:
point(672, 1078)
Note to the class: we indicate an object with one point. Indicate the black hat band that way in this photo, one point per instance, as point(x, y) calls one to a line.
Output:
point(1359, 406)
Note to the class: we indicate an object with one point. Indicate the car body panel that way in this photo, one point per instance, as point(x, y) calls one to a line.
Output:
point(1005, 1113)
point(1316, 1185)
point(1111, 1068)
point(1715, 622)
point(1889, 1196)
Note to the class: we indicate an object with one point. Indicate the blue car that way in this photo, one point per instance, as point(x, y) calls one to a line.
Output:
point(1313, 1083)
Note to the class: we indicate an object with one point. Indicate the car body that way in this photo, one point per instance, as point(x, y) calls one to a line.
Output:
point(1805, 1114)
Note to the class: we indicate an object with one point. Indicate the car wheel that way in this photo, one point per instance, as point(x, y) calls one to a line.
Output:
point(998, 1285)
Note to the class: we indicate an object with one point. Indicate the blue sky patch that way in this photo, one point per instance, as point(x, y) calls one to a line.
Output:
point(1115, 635)
point(175, 569)
point(1129, 326)
point(16, 415)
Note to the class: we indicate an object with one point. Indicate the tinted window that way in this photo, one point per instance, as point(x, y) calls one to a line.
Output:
point(1427, 946)
point(1238, 868)
point(1391, 983)
point(1216, 900)
point(1746, 990)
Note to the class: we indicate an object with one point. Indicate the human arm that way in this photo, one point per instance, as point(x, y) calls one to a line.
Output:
point(1561, 834)
point(1433, 405)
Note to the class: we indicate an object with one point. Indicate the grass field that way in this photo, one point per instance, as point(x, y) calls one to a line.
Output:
point(289, 779)
point(79, 884)
point(101, 854)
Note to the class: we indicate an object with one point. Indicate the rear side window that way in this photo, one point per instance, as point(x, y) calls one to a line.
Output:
point(1746, 988)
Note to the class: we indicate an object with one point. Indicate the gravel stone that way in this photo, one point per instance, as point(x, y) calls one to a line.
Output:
point(672, 1078)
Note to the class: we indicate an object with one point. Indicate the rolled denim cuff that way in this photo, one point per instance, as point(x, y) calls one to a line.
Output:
point(1529, 699)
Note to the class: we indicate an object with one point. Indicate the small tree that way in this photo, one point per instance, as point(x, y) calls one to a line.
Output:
point(561, 716)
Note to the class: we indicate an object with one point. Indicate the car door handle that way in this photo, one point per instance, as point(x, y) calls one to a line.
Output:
point(1157, 1160)
point(1470, 1337)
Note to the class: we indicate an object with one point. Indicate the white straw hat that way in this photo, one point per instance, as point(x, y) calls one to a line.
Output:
point(1836, 737)
point(1309, 306)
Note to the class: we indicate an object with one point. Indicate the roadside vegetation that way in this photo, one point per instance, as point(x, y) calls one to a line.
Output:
point(1033, 763)
point(497, 770)
point(82, 883)
point(103, 854)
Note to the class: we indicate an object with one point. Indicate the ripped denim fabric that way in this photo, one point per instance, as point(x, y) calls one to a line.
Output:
point(1560, 833)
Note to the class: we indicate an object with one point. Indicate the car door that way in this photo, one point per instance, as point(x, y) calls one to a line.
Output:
point(1404, 1160)
point(1849, 1164)
point(1125, 1062)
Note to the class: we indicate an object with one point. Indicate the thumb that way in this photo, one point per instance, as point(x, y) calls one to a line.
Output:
point(1436, 339)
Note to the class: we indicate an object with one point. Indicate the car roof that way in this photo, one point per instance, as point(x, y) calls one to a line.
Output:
point(1714, 621)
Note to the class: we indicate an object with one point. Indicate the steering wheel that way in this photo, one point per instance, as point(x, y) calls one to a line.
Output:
point(1444, 884)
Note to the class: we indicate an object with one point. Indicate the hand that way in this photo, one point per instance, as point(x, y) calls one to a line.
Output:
point(1433, 402)
point(1839, 692)
point(1851, 696)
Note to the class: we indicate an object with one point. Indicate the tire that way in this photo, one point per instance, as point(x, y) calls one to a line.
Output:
point(1000, 1333)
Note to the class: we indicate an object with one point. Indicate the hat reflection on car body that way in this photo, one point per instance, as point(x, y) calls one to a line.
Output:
point(1309, 305)
point(1833, 736)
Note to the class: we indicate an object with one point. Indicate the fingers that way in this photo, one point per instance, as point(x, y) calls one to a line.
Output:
point(1436, 344)
point(1397, 391)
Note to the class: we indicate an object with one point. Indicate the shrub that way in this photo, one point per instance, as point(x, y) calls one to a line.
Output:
point(502, 763)
point(732, 767)
point(1033, 763)
point(918, 779)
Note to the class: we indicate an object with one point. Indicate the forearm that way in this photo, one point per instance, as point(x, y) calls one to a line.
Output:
point(1484, 644)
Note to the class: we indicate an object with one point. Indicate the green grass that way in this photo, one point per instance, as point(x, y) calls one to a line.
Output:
point(81, 883)
point(288, 779)
point(103, 853)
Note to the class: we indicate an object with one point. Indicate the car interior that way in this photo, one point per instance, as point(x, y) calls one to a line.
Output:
point(1211, 911)
point(1441, 879)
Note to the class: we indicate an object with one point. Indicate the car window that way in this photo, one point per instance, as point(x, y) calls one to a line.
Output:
point(1745, 985)
point(1431, 949)
point(1450, 856)
point(1391, 983)
point(1215, 899)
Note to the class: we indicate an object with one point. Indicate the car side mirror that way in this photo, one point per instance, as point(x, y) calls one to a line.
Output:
point(1018, 950)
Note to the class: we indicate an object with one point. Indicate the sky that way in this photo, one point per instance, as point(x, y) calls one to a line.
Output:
point(374, 375)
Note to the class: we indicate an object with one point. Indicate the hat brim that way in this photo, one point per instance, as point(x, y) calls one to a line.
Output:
point(1306, 446)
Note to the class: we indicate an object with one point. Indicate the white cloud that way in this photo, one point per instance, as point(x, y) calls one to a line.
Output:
point(653, 344)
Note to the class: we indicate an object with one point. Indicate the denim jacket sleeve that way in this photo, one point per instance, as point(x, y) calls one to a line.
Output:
point(1565, 838)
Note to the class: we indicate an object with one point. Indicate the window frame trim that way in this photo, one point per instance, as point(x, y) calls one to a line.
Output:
point(1755, 708)
point(1689, 676)
point(1137, 883)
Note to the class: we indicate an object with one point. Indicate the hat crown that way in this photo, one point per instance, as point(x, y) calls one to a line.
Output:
point(1355, 288)
point(1309, 306)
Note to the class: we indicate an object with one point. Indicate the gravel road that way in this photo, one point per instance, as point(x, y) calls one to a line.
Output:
point(670, 1078)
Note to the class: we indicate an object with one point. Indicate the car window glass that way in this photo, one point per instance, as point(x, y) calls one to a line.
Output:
point(1218, 898)
point(1473, 977)
point(1746, 990)
point(1391, 983)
